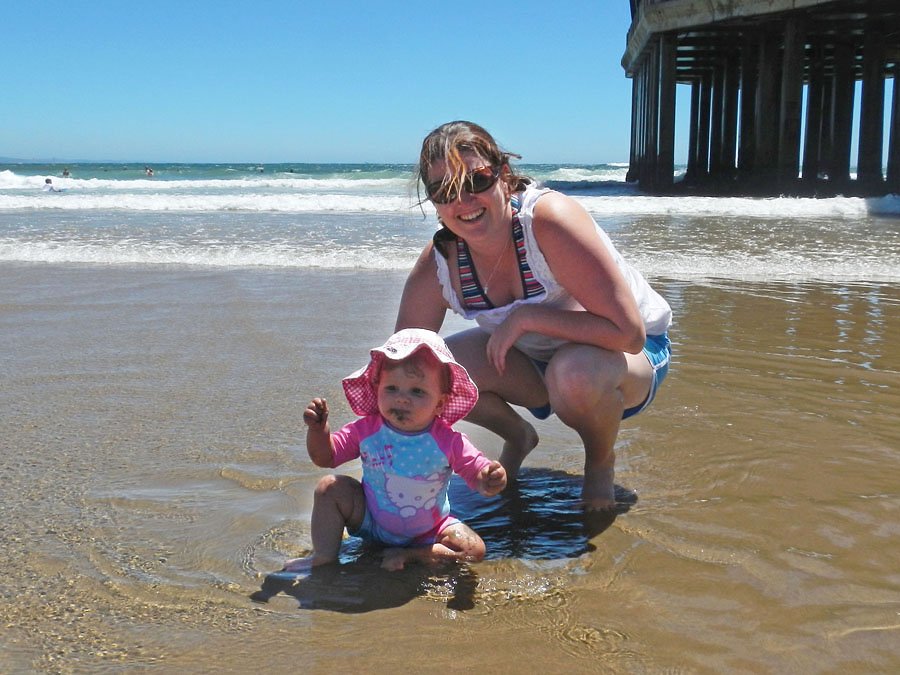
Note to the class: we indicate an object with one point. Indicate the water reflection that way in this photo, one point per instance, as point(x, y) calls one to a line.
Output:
point(361, 585)
point(538, 518)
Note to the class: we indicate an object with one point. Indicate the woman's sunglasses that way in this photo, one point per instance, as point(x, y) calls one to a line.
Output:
point(477, 180)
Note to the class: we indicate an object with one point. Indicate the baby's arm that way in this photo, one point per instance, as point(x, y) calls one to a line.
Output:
point(487, 477)
point(491, 479)
point(318, 433)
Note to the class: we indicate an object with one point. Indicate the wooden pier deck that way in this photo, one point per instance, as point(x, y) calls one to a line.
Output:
point(760, 73)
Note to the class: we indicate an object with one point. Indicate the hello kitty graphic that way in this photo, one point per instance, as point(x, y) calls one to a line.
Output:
point(410, 495)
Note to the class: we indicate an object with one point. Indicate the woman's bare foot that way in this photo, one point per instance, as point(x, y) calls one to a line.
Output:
point(515, 450)
point(598, 492)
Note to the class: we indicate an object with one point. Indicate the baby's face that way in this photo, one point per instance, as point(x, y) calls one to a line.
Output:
point(410, 398)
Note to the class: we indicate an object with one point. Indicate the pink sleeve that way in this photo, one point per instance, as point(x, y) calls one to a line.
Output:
point(465, 459)
point(346, 441)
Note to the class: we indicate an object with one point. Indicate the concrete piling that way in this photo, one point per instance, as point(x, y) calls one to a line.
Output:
point(772, 86)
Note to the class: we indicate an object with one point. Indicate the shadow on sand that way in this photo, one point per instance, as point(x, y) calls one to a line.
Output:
point(538, 518)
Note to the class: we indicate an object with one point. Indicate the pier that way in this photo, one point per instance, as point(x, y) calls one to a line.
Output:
point(773, 87)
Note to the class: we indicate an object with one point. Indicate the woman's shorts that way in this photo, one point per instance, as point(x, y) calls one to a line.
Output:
point(657, 349)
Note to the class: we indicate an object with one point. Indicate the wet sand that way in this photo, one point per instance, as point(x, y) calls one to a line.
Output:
point(153, 472)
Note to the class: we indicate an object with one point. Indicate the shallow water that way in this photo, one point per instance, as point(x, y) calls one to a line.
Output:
point(153, 473)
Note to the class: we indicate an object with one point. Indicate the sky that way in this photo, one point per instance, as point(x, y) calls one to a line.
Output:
point(298, 81)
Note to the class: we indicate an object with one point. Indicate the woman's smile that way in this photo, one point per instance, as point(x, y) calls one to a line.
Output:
point(469, 217)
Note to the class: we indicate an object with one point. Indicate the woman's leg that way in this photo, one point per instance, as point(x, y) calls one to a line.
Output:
point(519, 385)
point(589, 388)
point(339, 502)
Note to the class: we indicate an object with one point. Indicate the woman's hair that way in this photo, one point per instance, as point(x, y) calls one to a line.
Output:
point(449, 142)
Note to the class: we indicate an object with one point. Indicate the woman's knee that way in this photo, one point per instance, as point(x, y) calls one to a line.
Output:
point(581, 374)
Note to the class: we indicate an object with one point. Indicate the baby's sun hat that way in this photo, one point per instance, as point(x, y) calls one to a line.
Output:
point(361, 388)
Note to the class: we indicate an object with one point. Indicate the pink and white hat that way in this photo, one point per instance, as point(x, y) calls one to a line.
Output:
point(361, 388)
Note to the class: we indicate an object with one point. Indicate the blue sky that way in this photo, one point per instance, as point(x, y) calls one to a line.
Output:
point(326, 81)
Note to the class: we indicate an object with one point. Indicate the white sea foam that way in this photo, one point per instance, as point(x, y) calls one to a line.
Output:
point(578, 174)
point(368, 219)
point(231, 201)
point(297, 202)
point(10, 180)
point(744, 207)
point(774, 266)
point(206, 255)
point(680, 266)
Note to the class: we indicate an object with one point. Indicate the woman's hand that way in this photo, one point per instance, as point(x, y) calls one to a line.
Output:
point(504, 337)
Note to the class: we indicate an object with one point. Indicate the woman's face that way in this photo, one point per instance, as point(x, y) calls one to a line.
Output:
point(473, 216)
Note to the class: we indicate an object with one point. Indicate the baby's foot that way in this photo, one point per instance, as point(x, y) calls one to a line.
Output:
point(394, 559)
point(299, 565)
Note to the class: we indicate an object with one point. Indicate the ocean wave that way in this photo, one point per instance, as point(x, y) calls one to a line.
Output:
point(578, 188)
point(744, 207)
point(607, 173)
point(621, 205)
point(687, 266)
point(10, 181)
point(232, 256)
point(277, 202)
point(773, 267)
point(889, 205)
point(342, 193)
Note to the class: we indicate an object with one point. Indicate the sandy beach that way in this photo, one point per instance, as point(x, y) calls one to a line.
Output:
point(154, 472)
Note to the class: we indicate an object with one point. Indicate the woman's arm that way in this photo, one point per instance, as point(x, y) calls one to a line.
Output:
point(422, 304)
point(584, 266)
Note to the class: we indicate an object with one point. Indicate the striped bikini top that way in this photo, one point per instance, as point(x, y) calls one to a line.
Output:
point(473, 295)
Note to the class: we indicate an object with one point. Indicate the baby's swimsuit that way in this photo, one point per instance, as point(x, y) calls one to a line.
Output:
point(406, 477)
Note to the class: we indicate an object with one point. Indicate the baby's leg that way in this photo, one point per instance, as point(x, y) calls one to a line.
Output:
point(457, 541)
point(463, 541)
point(339, 502)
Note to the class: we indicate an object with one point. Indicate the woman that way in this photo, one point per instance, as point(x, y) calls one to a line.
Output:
point(566, 326)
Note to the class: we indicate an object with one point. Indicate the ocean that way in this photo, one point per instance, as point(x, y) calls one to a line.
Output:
point(160, 337)
point(368, 216)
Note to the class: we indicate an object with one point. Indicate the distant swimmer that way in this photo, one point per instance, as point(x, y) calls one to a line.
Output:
point(49, 187)
point(65, 173)
point(148, 171)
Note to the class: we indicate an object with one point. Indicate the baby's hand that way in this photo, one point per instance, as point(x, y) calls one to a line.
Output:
point(492, 479)
point(316, 413)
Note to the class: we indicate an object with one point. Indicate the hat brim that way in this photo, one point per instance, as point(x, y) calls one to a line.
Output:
point(361, 386)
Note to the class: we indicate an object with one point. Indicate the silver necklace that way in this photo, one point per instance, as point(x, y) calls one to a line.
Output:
point(487, 283)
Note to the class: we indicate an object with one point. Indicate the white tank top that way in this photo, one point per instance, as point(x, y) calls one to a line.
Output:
point(655, 311)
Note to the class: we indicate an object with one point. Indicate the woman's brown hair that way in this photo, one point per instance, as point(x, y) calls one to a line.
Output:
point(448, 143)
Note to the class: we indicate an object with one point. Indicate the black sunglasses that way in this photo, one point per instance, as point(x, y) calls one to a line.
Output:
point(477, 180)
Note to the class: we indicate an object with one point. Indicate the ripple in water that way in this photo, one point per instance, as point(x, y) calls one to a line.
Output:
point(538, 520)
